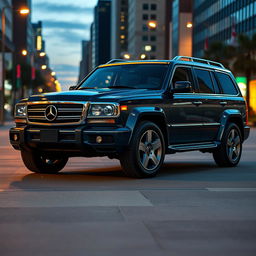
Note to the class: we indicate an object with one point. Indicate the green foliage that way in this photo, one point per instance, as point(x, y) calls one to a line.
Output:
point(245, 55)
point(241, 59)
point(220, 52)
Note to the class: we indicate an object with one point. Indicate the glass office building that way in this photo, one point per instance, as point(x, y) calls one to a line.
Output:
point(214, 21)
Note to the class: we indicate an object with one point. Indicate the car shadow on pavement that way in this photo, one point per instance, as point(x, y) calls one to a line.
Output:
point(79, 178)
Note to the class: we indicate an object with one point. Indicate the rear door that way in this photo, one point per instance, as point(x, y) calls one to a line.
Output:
point(184, 110)
point(211, 107)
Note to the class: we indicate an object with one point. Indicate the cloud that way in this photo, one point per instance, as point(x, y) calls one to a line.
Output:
point(66, 25)
point(63, 8)
point(66, 67)
point(68, 37)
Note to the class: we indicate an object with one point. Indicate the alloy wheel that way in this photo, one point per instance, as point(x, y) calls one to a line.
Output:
point(233, 145)
point(150, 150)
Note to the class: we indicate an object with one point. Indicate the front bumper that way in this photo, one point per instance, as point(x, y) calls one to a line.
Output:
point(71, 141)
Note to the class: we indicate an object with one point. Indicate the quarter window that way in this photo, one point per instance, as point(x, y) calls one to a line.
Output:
point(227, 85)
point(204, 81)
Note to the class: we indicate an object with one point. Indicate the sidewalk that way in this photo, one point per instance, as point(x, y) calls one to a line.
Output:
point(7, 125)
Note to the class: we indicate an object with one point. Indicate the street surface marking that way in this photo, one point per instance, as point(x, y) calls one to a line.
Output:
point(231, 189)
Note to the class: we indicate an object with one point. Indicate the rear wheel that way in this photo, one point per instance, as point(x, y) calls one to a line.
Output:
point(146, 152)
point(41, 163)
point(230, 150)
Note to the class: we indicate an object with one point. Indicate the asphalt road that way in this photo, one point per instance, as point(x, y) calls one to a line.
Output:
point(90, 208)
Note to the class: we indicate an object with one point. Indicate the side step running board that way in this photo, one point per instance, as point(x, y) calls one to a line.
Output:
point(195, 146)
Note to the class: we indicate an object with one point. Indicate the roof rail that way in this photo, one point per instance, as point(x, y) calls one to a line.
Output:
point(209, 62)
point(116, 61)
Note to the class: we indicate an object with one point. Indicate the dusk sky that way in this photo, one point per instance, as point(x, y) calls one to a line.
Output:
point(65, 24)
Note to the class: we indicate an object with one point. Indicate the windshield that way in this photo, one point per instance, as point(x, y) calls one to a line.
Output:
point(134, 76)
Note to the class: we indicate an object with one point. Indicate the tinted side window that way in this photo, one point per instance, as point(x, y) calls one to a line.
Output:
point(227, 85)
point(204, 81)
point(216, 86)
point(182, 74)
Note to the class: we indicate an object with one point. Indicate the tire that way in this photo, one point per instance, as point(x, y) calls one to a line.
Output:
point(228, 154)
point(145, 155)
point(40, 163)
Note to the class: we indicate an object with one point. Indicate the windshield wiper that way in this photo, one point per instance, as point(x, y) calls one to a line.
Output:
point(121, 86)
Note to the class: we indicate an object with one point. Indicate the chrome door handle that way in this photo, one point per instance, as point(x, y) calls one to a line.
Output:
point(197, 103)
point(223, 103)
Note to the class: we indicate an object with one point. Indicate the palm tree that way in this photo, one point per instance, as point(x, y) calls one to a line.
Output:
point(245, 60)
point(220, 52)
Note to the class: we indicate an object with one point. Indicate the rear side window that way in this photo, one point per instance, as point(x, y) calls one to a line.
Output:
point(182, 74)
point(204, 81)
point(216, 87)
point(226, 83)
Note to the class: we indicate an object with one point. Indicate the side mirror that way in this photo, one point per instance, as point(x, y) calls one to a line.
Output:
point(73, 87)
point(182, 87)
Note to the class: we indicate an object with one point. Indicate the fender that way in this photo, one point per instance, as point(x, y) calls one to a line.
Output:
point(139, 112)
point(226, 116)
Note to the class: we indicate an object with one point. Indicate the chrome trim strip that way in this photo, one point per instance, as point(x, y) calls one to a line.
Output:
point(33, 130)
point(182, 103)
point(211, 124)
point(67, 131)
point(195, 124)
point(55, 102)
point(99, 132)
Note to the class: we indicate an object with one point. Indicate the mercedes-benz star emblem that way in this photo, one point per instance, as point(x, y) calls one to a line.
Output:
point(51, 113)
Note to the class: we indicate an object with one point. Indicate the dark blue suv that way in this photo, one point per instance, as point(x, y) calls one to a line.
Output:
point(135, 111)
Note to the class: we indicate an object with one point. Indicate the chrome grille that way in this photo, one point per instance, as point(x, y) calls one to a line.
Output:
point(66, 113)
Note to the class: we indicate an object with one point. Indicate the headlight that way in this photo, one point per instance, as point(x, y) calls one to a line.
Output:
point(103, 110)
point(20, 110)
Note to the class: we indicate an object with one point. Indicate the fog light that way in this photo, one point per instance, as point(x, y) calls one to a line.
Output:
point(98, 139)
point(15, 137)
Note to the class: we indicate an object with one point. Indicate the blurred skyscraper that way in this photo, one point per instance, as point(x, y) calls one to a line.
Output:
point(85, 62)
point(101, 33)
point(221, 20)
point(181, 28)
point(119, 29)
point(9, 46)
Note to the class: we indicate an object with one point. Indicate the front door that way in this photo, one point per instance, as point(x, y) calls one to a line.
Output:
point(185, 111)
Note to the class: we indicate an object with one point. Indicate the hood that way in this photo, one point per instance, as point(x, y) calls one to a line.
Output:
point(94, 95)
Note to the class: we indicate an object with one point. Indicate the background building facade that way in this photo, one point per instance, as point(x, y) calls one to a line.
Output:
point(214, 21)
point(119, 28)
point(101, 33)
point(181, 28)
point(146, 41)
point(9, 49)
point(84, 67)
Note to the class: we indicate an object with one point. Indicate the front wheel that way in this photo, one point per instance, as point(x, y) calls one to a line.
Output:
point(230, 150)
point(41, 163)
point(146, 152)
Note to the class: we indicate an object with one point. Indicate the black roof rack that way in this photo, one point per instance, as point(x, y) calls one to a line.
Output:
point(204, 61)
